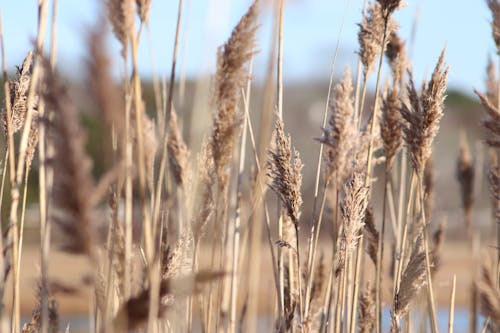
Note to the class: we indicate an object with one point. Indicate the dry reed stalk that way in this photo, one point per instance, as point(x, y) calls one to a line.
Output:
point(121, 16)
point(164, 119)
point(237, 219)
point(465, 176)
point(260, 154)
point(317, 221)
point(74, 185)
point(336, 138)
point(412, 280)
point(391, 134)
point(6, 257)
point(285, 179)
point(267, 219)
point(423, 114)
point(17, 179)
point(230, 79)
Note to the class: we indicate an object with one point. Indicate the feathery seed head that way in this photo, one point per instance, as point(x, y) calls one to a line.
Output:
point(121, 16)
point(423, 114)
point(373, 27)
point(494, 6)
point(229, 79)
point(284, 172)
point(396, 54)
point(143, 7)
point(338, 135)
point(178, 153)
point(391, 124)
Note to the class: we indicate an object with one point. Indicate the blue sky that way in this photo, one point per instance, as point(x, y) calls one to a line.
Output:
point(311, 30)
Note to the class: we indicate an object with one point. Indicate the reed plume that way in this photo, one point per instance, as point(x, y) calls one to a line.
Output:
point(178, 153)
point(429, 187)
point(18, 89)
point(337, 137)
point(391, 125)
point(367, 310)
point(494, 6)
point(423, 113)
point(353, 216)
point(376, 24)
point(230, 78)
point(284, 172)
point(489, 297)
point(35, 323)
point(121, 16)
point(143, 8)
point(491, 82)
point(437, 242)
point(492, 123)
point(371, 235)
point(396, 55)
point(107, 96)
point(205, 203)
point(412, 280)
point(465, 176)
point(73, 186)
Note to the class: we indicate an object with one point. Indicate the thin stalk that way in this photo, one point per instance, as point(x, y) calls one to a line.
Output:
point(380, 259)
point(430, 292)
point(362, 101)
point(316, 224)
point(237, 220)
point(452, 304)
point(45, 185)
point(266, 213)
point(357, 273)
point(168, 111)
point(16, 179)
point(402, 245)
